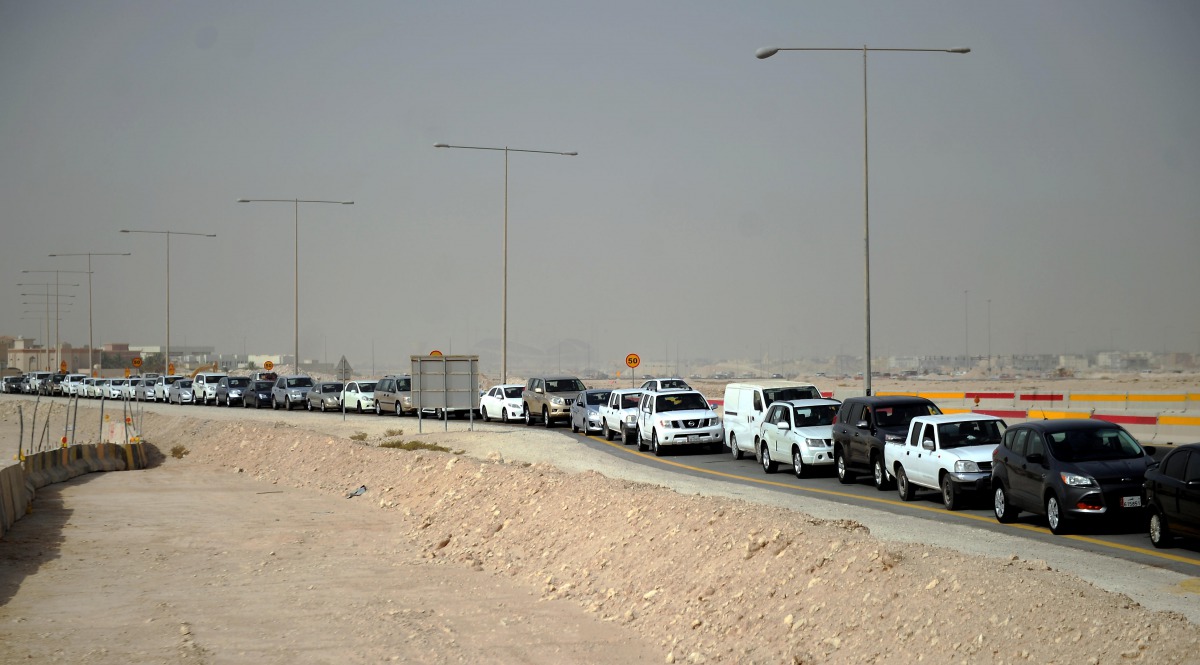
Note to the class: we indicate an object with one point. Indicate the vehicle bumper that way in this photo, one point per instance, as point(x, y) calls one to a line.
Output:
point(689, 437)
point(817, 456)
point(976, 481)
point(1126, 499)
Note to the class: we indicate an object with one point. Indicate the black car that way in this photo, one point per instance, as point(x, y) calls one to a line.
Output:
point(12, 384)
point(52, 385)
point(1173, 496)
point(1068, 470)
point(230, 388)
point(864, 424)
point(257, 394)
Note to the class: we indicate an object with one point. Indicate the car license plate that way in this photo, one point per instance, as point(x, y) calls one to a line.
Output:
point(1131, 502)
point(692, 439)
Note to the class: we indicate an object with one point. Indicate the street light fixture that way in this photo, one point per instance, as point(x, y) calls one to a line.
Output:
point(168, 234)
point(296, 281)
point(91, 366)
point(57, 343)
point(763, 54)
point(504, 296)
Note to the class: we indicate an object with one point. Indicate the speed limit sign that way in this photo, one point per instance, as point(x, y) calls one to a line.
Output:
point(137, 362)
point(268, 365)
point(633, 360)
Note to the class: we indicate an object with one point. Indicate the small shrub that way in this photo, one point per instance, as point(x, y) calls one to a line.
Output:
point(413, 445)
point(358, 436)
point(178, 452)
point(394, 432)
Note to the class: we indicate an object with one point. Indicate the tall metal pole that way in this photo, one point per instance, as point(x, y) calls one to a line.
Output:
point(989, 319)
point(866, 229)
point(966, 333)
point(91, 342)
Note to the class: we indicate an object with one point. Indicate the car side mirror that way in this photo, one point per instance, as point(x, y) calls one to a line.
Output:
point(537, 390)
point(927, 444)
point(862, 424)
point(785, 426)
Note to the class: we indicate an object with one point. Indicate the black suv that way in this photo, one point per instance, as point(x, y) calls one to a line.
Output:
point(1068, 469)
point(862, 426)
point(1173, 496)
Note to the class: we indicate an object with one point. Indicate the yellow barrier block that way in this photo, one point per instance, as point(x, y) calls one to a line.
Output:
point(886, 393)
point(1191, 421)
point(1158, 398)
point(1035, 414)
point(942, 395)
point(956, 411)
point(1084, 397)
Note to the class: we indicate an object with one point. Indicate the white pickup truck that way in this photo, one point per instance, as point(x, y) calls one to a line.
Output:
point(951, 453)
point(619, 414)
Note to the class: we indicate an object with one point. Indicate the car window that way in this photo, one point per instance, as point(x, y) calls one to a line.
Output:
point(1175, 464)
point(680, 402)
point(814, 416)
point(630, 400)
point(514, 392)
point(758, 401)
point(598, 398)
point(300, 382)
point(969, 433)
point(1193, 469)
point(1092, 445)
point(786, 394)
point(1034, 445)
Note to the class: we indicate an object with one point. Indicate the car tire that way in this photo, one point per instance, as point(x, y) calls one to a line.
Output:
point(797, 463)
point(504, 414)
point(1005, 512)
point(528, 416)
point(642, 447)
point(358, 407)
point(574, 429)
point(950, 496)
point(378, 409)
point(608, 435)
point(880, 473)
point(1160, 533)
point(903, 487)
point(274, 404)
point(843, 471)
point(769, 465)
point(487, 418)
point(733, 447)
point(546, 418)
point(1055, 518)
point(399, 410)
point(628, 438)
point(658, 451)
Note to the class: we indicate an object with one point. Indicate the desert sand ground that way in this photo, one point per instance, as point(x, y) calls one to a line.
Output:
point(524, 547)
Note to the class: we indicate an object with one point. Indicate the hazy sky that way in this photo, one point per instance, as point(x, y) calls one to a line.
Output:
point(715, 208)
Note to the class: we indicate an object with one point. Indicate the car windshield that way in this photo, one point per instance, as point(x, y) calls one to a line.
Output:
point(117, 382)
point(213, 379)
point(239, 383)
point(514, 392)
point(786, 394)
point(970, 433)
point(1093, 445)
point(901, 415)
point(631, 400)
point(564, 385)
point(262, 385)
point(680, 402)
point(598, 398)
point(170, 379)
point(403, 385)
point(669, 384)
point(300, 382)
point(367, 387)
point(331, 387)
point(813, 416)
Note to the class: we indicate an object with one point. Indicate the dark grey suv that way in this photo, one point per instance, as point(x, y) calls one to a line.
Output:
point(862, 426)
point(1068, 470)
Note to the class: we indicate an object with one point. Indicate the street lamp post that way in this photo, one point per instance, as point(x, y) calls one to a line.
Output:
point(764, 53)
point(91, 366)
point(296, 281)
point(57, 343)
point(46, 309)
point(504, 288)
point(168, 234)
point(966, 333)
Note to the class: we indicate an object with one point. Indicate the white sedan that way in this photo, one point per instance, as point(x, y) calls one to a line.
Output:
point(359, 396)
point(502, 401)
point(797, 432)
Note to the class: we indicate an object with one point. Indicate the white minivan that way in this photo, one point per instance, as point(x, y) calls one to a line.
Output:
point(745, 404)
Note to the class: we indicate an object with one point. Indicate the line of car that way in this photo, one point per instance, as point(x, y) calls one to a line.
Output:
point(1068, 471)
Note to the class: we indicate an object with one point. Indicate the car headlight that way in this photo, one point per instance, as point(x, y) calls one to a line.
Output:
point(594, 417)
point(1076, 480)
point(965, 466)
point(631, 419)
point(814, 443)
point(557, 401)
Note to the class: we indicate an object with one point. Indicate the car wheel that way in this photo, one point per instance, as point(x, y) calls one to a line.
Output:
point(642, 447)
point(274, 404)
point(627, 437)
point(574, 429)
point(608, 435)
point(903, 487)
point(378, 410)
point(504, 414)
point(546, 418)
point(528, 416)
point(1005, 512)
point(358, 407)
point(733, 446)
point(399, 411)
point(843, 472)
point(1160, 534)
point(881, 477)
point(769, 465)
point(658, 451)
point(950, 495)
point(1055, 516)
point(487, 418)
point(797, 463)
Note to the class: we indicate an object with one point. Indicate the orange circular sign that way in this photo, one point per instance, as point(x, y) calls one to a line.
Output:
point(268, 365)
point(633, 360)
point(435, 352)
point(137, 362)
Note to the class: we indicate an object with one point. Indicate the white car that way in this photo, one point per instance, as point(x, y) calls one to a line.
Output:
point(677, 418)
point(359, 395)
point(180, 392)
point(71, 383)
point(145, 390)
point(619, 414)
point(502, 401)
point(115, 389)
point(129, 389)
point(162, 386)
point(949, 452)
point(663, 385)
point(797, 432)
point(204, 387)
point(98, 389)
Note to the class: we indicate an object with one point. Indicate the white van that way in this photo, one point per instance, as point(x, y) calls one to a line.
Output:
point(745, 404)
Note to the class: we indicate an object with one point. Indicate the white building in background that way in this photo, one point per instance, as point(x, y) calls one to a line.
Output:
point(1075, 363)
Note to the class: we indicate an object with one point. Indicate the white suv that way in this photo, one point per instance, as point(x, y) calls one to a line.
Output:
point(291, 390)
point(676, 418)
point(204, 387)
point(162, 387)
